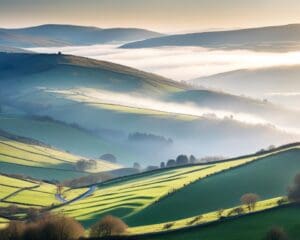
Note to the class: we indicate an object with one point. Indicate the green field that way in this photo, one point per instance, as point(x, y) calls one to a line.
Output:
point(29, 193)
point(26, 192)
point(269, 178)
point(60, 135)
point(130, 198)
point(42, 162)
point(251, 227)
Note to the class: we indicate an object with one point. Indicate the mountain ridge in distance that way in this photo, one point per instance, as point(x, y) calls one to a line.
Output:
point(271, 38)
point(49, 35)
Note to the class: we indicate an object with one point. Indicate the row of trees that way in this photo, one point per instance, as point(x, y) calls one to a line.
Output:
point(181, 160)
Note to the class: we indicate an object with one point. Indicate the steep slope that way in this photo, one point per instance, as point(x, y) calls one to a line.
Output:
point(280, 84)
point(64, 35)
point(275, 38)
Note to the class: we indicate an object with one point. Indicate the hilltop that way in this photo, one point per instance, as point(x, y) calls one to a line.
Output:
point(67, 35)
point(273, 38)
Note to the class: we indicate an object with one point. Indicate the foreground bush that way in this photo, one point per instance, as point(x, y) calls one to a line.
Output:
point(276, 233)
point(47, 227)
point(108, 226)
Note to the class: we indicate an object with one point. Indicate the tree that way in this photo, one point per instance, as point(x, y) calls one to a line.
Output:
point(60, 227)
point(137, 166)
point(14, 231)
point(83, 165)
point(182, 160)
point(171, 163)
point(109, 157)
point(108, 226)
point(193, 159)
point(33, 214)
point(162, 165)
point(250, 199)
point(294, 191)
point(276, 233)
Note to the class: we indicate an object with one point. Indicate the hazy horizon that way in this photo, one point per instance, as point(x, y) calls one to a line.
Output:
point(168, 16)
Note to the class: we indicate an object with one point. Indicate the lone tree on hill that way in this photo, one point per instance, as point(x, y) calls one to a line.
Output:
point(294, 191)
point(108, 226)
point(250, 199)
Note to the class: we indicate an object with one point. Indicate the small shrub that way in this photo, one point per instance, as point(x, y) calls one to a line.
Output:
point(168, 225)
point(196, 219)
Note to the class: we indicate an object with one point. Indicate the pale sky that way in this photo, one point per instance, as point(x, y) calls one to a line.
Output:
point(159, 15)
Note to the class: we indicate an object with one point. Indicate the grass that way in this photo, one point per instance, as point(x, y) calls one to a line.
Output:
point(202, 219)
point(20, 158)
point(32, 193)
point(269, 178)
point(59, 135)
point(141, 200)
point(134, 195)
point(250, 227)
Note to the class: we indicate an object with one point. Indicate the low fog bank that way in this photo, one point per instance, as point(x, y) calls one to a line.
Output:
point(180, 63)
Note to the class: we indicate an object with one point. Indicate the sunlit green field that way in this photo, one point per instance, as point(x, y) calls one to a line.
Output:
point(250, 227)
point(28, 193)
point(42, 162)
point(269, 177)
point(202, 219)
point(134, 198)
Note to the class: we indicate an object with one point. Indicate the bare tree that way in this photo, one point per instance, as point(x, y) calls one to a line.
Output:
point(108, 226)
point(250, 199)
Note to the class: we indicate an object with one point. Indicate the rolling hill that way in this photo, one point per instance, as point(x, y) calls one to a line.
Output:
point(274, 38)
point(249, 227)
point(66, 35)
point(97, 96)
point(279, 84)
point(28, 157)
point(140, 200)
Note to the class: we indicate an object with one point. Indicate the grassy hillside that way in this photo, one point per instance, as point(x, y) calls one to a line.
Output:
point(98, 96)
point(40, 161)
point(269, 177)
point(62, 136)
point(249, 227)
point(136, 198)
point(64, 35)
point(24, 193)
point(279, 84)
point(275, 38)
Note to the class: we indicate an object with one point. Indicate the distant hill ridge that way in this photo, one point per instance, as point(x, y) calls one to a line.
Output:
point(65, 35)
point(263, 38)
